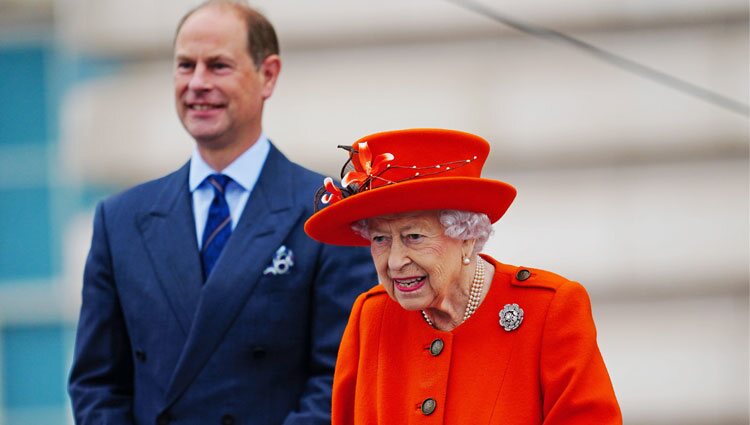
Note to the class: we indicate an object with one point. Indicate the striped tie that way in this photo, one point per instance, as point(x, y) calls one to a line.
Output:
point(218, 225)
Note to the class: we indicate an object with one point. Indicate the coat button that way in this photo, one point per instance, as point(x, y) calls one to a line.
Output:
point(437, 347)
point(523, 274)
point(227, 420)
point(428, 406)
point(162, 419)
point(140, 355)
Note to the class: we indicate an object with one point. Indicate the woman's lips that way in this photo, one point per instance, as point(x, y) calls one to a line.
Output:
point(409, 284)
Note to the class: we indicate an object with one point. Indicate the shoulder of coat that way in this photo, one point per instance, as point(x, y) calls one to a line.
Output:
point(373, 302)
point(530, 277)
point(375, 291)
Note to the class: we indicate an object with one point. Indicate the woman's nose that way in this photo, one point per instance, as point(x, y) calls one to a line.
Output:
point(398, 256)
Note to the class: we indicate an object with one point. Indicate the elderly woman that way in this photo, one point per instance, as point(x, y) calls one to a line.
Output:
point(450, 336)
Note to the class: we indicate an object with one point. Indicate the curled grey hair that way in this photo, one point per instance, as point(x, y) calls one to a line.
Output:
point(461, 225)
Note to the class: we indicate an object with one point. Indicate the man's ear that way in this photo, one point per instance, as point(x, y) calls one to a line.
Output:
point(269, 72)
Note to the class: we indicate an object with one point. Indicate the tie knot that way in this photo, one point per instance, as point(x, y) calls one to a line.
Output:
point(218, 181)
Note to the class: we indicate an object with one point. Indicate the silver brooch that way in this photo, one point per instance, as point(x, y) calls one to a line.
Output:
point(282, 262)
point(511, 317)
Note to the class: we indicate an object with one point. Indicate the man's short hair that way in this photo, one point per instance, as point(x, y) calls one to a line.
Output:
point(261, 36)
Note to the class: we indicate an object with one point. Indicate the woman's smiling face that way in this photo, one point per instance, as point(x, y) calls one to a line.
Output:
point(417, 264)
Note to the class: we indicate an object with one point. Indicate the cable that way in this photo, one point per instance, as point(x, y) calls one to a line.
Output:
point(611, 58)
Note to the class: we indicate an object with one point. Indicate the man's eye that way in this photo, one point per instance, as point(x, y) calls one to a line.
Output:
point(219, 66)
point(184, 65)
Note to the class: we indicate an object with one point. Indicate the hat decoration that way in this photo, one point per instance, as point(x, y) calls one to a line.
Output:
point(353, 181)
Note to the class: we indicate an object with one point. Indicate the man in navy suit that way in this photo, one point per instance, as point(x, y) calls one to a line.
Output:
point(189, 317)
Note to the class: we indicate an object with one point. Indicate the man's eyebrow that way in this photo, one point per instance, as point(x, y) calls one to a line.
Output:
point(219, 58)
point(208, 60)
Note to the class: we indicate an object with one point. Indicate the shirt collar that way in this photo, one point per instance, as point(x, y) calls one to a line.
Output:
point(244, 170)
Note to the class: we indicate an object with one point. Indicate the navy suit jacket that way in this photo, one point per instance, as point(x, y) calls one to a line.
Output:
point(156, 345)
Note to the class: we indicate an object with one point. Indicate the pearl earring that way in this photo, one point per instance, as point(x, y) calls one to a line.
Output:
point(466, 261)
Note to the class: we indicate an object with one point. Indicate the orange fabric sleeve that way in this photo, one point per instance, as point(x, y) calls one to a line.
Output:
point(575, 384)
point(347, 365)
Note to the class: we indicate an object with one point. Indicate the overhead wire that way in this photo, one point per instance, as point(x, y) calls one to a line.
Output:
point(616, 60)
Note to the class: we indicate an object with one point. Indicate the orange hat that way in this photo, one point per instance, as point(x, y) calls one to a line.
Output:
point(408, 170)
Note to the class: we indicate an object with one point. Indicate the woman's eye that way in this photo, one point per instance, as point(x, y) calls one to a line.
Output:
point(378, 239)
point(414, 236)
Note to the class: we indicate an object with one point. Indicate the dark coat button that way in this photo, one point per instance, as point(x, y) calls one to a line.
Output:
point(140, 355)
point(259, 352)
point(437, 347)
point(163, 419)
point(523, 274)
point(227, 420)
point(428, 406)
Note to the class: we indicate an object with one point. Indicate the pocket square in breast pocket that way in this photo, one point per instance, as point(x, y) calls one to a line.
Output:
point(282, 262)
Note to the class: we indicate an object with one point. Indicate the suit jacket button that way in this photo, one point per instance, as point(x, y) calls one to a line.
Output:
point(428, 406)
point(140, 355)
point(523, 274)
point(227, 420)
point(437, 347)
point(259, 352)
point(162, 419)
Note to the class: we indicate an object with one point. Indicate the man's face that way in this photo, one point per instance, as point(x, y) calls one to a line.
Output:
point(219, 93)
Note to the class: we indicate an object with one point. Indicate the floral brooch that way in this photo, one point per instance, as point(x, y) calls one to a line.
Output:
point(511, 317)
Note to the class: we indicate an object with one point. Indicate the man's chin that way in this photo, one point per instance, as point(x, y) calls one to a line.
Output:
point(204, 134)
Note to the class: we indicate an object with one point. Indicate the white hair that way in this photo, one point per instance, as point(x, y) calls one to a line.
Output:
point(461, 225)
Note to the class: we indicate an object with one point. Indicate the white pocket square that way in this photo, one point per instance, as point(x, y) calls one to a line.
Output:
point(282, 262)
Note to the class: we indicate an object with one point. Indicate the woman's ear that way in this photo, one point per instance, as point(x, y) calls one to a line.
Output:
point(467, 247)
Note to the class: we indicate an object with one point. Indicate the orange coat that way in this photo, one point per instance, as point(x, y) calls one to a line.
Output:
point(547, 371)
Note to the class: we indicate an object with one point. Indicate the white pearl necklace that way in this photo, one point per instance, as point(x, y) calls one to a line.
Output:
point(477, 284)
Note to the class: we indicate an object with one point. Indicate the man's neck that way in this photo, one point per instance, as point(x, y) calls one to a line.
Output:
point(219, 157)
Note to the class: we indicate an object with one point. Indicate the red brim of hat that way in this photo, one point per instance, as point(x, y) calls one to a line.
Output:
point(332, 225)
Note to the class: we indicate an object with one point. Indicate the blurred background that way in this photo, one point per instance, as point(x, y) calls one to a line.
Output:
point(636, 190)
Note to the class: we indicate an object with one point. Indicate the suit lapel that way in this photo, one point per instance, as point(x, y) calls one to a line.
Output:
point(168, 230)
point(265, 222)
